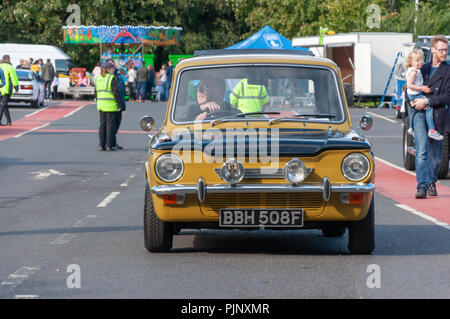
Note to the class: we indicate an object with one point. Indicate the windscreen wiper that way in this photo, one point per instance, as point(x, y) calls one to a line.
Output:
point(217, 121)
point(317, 115)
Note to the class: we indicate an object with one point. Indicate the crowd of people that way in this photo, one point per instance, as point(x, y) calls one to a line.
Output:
point(45, 73)
point(141, 81)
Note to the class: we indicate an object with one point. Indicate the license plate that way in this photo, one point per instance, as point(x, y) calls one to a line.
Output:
point(230, 217)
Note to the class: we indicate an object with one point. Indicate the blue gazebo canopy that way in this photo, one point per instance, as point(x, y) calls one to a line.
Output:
point(266, 38)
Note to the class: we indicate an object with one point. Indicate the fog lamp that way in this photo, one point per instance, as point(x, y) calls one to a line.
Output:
point(233, 171)
point(295, 171)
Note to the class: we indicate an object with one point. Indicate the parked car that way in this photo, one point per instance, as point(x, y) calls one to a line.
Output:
point(60, 60)
point(409, 149)
point(294, 162)
point(29, 89)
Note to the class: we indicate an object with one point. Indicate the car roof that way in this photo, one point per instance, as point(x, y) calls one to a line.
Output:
point(254, 55)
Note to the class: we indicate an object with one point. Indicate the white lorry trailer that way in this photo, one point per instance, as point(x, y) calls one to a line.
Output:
point(364, 58)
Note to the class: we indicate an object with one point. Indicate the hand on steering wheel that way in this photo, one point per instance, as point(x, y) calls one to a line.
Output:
point(210, 106)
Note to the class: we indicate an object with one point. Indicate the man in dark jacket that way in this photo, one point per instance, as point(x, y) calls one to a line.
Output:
point(48, 74)
point(436, 75)
point(141, 79)
point(122, 106)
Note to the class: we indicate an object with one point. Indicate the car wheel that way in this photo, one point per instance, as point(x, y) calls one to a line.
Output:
point(361, 233)
point(409, 160)
point(35, 104)
point(334, 231)
point(158, 235)
point(443, 170)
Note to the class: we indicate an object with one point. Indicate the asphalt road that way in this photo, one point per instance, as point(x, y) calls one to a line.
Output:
point(71, 226)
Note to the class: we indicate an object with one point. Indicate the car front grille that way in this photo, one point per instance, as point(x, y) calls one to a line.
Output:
point(311, 203)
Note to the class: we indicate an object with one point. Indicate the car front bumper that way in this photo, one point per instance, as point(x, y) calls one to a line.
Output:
point(201, 189)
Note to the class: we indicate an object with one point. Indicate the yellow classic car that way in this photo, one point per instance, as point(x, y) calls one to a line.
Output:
point(258, 139)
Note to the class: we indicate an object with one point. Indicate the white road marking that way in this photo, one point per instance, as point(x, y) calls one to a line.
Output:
point(17, 277)
point(37, 111)
point(74, 111)
point(26, 296)
point(425, 216)
point(46, 174)
point(382, 117)
point(108, 199)
point(33, 129)
point(67, 237)
point(125, 183)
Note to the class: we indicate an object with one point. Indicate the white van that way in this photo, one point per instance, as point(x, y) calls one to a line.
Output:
point(60, 60)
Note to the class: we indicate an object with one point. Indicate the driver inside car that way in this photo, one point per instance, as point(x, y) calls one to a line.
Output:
point(210, 94)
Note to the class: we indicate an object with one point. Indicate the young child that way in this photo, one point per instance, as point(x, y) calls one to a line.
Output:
point(415, 90)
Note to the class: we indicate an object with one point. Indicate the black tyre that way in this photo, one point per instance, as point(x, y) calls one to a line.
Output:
point(398, 114)
point(158, 235)
point(361, 233)
point(334, 231)
point(35, 104)
point(409, 160)
point(443, 170)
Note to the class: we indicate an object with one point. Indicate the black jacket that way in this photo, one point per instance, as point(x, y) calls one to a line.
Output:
point(439, 84)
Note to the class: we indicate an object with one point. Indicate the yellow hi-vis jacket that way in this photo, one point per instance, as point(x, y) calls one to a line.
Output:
point(247, 97)
point(11, 79)
point(105, 97)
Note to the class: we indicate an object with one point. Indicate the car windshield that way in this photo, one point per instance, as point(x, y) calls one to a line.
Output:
point(24, 75)
point(281, 93)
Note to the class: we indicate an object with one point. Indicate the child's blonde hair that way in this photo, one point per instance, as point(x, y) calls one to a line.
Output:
point(414, 53)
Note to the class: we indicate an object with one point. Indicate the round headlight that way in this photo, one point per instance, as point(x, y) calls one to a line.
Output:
point(295, 171)
point(169, 167)
point(355, 166)
point(233, 171)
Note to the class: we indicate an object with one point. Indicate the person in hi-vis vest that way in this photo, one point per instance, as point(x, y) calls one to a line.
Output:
point(108, 101)
point(10, 81)
point(248, 97)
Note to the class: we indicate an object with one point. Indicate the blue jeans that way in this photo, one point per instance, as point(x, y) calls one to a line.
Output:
point(428, 112)
point(428, 153)
point(167, 90)
point(141, 90)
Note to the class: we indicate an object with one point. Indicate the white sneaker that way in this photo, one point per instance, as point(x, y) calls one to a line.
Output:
point(435, 135)
point(410, 131)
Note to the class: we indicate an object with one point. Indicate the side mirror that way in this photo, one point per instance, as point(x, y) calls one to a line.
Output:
point(146, 123)
point(366, 122)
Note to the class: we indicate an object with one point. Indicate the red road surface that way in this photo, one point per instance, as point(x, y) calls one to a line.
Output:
point(401, 187)
point(40, 118)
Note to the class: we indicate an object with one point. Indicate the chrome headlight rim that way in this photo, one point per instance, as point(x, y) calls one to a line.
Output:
point(164, 157)
point(295, 161)
point(234, 180)
point(345, 162)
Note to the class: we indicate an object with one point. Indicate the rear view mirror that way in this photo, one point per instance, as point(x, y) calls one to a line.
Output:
point(366, 122)
point(256, 77)
point(146, 123)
